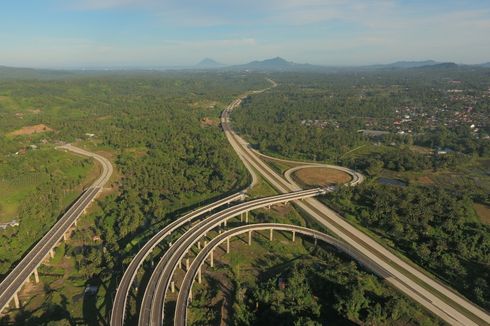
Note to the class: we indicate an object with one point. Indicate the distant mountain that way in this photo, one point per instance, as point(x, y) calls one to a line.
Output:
point(411, 64)
point(208, 63)
point(485, 65)
point(442, 65)
point(402, 65)
point(277, 64)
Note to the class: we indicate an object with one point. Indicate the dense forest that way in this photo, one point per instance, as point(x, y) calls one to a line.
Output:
point(437, 228)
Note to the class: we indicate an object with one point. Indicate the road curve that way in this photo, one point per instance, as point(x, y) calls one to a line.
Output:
point(122, 292)
point(356, 177)
point(180, 316)
point(152, 307)
point(433, 295)
point(21, 273)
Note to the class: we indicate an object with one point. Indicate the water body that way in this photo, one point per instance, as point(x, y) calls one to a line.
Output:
point(392, 182)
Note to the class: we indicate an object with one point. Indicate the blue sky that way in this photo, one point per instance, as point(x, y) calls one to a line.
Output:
point(150, 33)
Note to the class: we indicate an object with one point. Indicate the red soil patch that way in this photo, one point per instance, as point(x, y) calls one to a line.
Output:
point(483, 212)
point(209, 122)
point(28, 130)
point(319, 176)
point(425, 180)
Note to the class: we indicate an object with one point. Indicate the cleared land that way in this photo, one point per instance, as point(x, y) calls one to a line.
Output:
point(320, 176)
point(483, 212)
point(28, 130)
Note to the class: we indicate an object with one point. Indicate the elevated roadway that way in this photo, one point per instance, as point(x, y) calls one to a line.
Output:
point(195, 269)
point(28, 265)
point(122, 292)
point(152, 307)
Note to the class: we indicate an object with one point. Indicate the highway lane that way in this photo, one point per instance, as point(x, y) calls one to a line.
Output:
point(152, 307)
point(22, 271)
point(453, 308)
point(180, 315)
point(119, 305)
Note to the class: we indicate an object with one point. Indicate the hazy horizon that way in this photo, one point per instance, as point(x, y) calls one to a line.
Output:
point(150, 33)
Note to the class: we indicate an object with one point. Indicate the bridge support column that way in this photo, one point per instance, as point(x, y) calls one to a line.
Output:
point(186, 264)
point(211, 258)
point(294, 236)
point(249, 238)
point(190, 295)
point(316, 240)
point(65, 236)
point(51, 253)
point(36, 275)
point(16, 301)
point(199, 245)
point(228, 245)
point(205, 243)
point(271, 234)
point(172, 286)
point(224, 223)
point(241, 217)
point(246, 217)
point(179, 264)
point(199, 279)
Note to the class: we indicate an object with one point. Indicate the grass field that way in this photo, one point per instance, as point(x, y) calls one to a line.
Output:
point(320, 176)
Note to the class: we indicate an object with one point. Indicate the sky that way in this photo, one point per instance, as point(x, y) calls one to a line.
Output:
point(158, 33)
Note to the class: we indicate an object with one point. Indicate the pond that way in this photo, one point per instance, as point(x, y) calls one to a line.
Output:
point(391, 182)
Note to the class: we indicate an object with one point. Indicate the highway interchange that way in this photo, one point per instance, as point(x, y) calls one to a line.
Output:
point(402, 274)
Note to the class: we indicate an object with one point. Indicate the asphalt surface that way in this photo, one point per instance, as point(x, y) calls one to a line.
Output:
point(22, 271)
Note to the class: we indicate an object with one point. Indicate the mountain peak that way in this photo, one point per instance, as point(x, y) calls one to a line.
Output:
point(209, 63)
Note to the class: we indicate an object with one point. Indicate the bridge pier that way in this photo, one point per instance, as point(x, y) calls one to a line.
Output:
point(66, 236)
point(36, 275)
point(51, 253)
point(241, 217)
point(172, 286)
point(250, 238)
point(199, 245)
point(199, 280)
point(228, 245)
point(271, 233)
point(190, 295)
point(179, 264)
point(211, 258)
point(187, 264)
point(16, 301)
point(294, 236)
point(246, 217)
point(224, 223)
